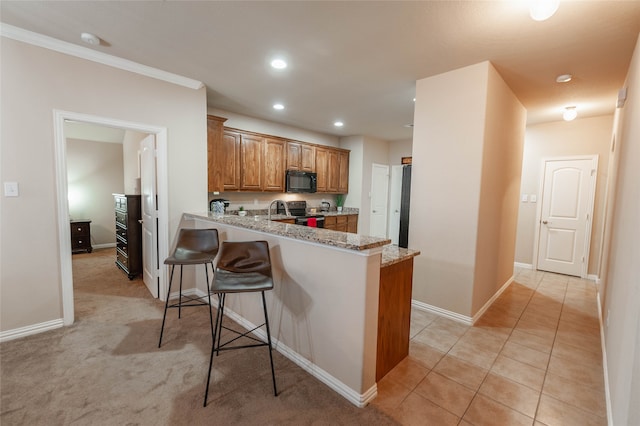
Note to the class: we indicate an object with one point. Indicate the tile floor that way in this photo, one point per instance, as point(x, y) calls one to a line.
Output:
point(534, 358)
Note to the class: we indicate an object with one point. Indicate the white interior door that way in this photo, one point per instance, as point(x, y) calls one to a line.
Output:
point(148, 186)
point(379, 197)
point(395, 195)
point(565, 215)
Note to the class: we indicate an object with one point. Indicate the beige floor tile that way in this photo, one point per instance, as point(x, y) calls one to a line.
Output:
point(545, 332)
point(460, 371)
point(496, 319)
point(485, 411)
point(576, 354)
point(531, 341)
point(519, 372)
point(586, 342)
point(592, 377)
point(526, 355)
point(511, 394)
point(416, 410)
point(441, 334)
point(576, 394)
point(408, 373)
point(446, 393)
point(424, 354)
point(390, 394)
point(581, 318)
point(552, 412)
point(474, 353)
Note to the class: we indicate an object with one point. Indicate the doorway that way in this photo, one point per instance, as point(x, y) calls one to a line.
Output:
point(161, 228)
point(565, 215)
point(379, 197)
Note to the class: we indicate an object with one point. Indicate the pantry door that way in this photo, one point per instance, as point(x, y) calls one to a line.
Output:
point(566, 214)
point(148, 184)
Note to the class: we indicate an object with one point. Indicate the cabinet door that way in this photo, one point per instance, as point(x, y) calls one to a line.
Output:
point(273, 170)
point(251, 163)
point(343, 167)
point(321, 169)
point(333, 167)
point(215, 153)
point(330, 222)
point(293, 155)
point(231, 164)
point(352, 223)
point(307, 158)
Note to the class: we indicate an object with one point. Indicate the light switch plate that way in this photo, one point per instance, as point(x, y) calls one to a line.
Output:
point(11, 189)
point(534, 198)
point(524, 198)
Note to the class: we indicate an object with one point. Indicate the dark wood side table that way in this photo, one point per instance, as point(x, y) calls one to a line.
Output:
point(81, 236)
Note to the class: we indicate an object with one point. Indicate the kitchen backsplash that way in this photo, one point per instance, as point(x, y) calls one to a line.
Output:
point(261, 201)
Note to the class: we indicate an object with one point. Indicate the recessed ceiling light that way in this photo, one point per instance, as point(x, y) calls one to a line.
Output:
point(279, 64)
point(569, 113)
point(541, 10)
point(338, 124)
point(564, 78)
point(90, 38)
point(278, 106)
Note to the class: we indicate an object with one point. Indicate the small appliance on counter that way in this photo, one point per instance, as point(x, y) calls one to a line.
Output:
point(298, 209)
point(218, 205)
point(325, 206)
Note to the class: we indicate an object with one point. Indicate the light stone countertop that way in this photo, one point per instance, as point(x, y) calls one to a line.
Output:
point(260, 223)
point(391, 254)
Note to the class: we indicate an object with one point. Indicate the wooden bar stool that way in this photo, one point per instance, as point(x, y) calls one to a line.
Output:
point(243, 267)
point(194, 247)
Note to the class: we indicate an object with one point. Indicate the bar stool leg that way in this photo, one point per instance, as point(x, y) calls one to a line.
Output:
point(180, 296)
point(266, 321)
point(166, 305)
point(213, 345)
point(206, 271)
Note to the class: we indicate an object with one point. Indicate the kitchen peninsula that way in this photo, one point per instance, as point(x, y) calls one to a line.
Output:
point(328, 300)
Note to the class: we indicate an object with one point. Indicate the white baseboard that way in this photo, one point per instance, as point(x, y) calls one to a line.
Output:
point(357, 399)
point(442, 312)
point(486, 306)
point(607, 390)
point(17, 333)
point(523, 265)
point(594, 278)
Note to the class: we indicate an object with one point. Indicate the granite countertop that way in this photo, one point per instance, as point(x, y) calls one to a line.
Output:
point(260, 223)
point(391, 254)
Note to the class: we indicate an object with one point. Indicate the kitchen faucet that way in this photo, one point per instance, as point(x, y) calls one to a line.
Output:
point(286, 208)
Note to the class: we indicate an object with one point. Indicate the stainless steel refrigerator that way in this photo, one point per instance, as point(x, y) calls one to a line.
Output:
point(405, 195)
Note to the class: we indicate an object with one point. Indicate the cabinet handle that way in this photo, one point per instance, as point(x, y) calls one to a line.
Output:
point(79, 229)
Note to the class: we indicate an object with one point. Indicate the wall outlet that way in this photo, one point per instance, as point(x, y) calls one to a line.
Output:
point(11, 189)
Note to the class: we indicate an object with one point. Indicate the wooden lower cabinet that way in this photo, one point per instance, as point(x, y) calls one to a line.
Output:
point(343, 223)
point(81, 236)
point(128, 234)
point(394, 316)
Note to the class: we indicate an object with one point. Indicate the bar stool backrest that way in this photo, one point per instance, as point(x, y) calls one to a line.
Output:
point(245, 256)
point(191, 241)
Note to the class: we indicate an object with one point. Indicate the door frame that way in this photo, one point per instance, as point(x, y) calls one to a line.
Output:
point(62, 201)
point(590, 207)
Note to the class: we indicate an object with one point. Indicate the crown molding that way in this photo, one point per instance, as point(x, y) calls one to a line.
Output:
point(19, 34)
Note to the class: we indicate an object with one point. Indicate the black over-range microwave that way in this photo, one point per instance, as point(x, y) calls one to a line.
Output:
point(298, 181)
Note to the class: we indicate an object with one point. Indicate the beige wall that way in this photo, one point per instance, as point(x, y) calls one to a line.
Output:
point(445, 185)
point(500, 184)
point(465, 180)
point(35, 81)
point(95, 171)
point(399, 149)
point(621, 274)
point(585, 136)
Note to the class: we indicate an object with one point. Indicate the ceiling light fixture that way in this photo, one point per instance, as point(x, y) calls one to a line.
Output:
point(279, 64)
point(338, 124)
point(569, 113)
point(541, 10)
point(564, 78)
point(90, 38)
point(278, 106)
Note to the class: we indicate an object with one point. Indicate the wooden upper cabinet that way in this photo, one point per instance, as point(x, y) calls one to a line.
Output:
point(251, 155)
point(301, 156)
point(231, 161)
point(294, 150)
point(274, 165)
point(333, 167)
point(215, 153)
point(343, 171)
point(321, 169)
point(308, 158)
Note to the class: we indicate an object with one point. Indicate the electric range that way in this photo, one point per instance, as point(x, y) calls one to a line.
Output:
point(298, 209)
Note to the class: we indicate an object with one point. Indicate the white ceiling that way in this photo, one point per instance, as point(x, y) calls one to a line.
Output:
point(356, 61)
